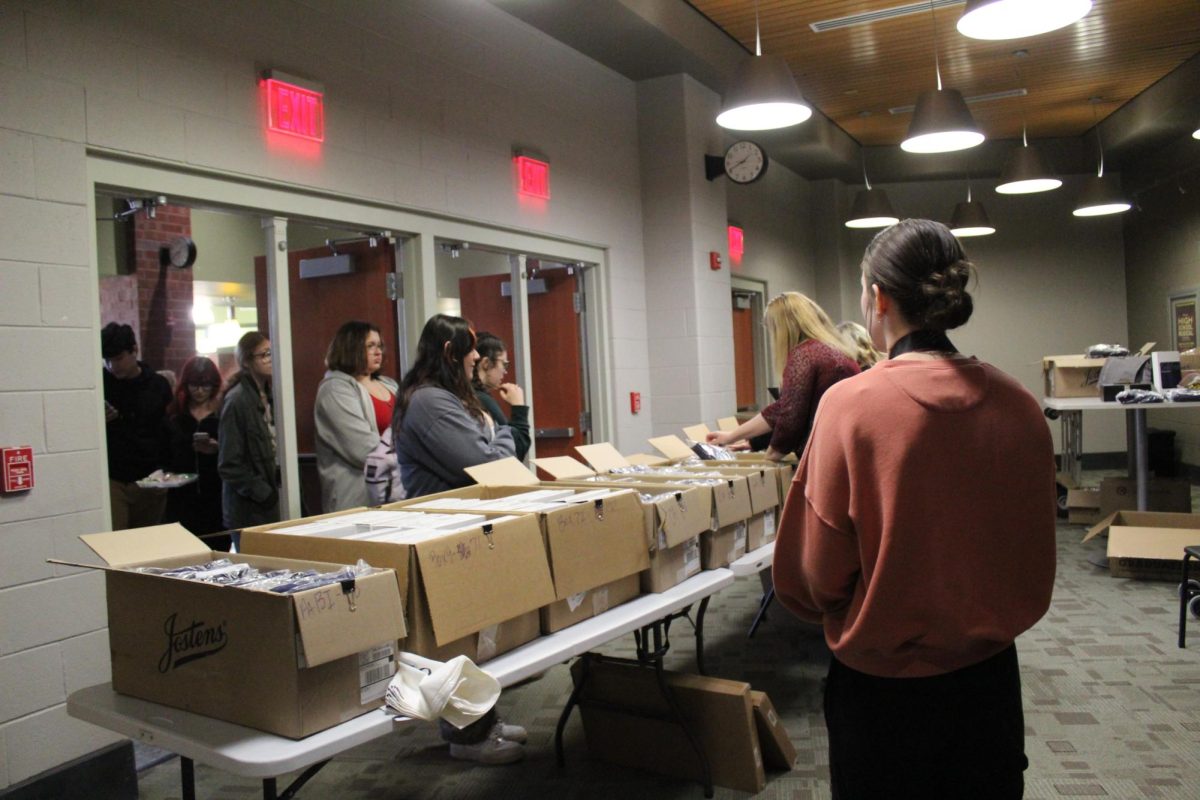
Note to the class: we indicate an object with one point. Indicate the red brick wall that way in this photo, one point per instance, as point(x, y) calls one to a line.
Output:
point(168, 335)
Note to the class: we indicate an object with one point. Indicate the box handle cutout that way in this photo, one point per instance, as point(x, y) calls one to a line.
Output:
point(351, 591)
point(599, 509)
point(487, 532)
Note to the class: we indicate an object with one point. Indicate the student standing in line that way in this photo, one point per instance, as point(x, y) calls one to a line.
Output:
point(489, 377)
point(857, 337)
point(440, 428)
point(810, 356)
point(920, 533)
point(246, 441)
point(193, 426)
point(135, 407)
point(354, 406)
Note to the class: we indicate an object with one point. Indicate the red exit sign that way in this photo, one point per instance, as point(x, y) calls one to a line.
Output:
point(295, 110)
point(533, 177)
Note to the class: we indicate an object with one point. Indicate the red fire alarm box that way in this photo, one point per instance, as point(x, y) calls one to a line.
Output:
point(714, 260)
point(18, 468)
point(635, 402)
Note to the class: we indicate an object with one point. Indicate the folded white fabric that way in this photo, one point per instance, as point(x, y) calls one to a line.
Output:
point(456, 690)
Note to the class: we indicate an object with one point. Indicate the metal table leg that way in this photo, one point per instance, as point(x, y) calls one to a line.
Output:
point(187, 778)
point(699, 624)
point(1142, 458)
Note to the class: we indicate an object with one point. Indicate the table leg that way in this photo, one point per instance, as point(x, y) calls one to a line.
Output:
point(700, 636)
point(1142, 459)
point(187, 778)
point(269, 790)
point(1184, 597)
point(762, 611)
point(677, 713)
point(584, 662)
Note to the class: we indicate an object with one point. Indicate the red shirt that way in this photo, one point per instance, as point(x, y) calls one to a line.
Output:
point(812, 367)
point(383, 411)
point(920, 526)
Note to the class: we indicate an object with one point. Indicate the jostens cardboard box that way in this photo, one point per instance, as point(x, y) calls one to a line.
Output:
point(1147, 544)
point(1083, 506)
point(626, 720)
point(588, 603)
point(1071, 376)
point(1163, 494)
point(778, 752)
point(467, 592)
point(588, 545)
point(289, 664)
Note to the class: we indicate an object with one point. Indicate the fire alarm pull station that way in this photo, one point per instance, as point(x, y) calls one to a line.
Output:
point(635, 402)
point(18, 468)
point(714, 260)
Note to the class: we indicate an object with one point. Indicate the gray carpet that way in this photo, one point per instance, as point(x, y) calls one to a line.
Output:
point(1112, 708)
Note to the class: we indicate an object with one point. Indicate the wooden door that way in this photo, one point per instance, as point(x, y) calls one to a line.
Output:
point(743, 356)
point(319, 306)
point(556, 394)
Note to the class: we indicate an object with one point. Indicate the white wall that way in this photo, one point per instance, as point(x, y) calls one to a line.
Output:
point(425, 101)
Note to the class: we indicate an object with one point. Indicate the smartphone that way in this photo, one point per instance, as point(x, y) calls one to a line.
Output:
point(200, 436)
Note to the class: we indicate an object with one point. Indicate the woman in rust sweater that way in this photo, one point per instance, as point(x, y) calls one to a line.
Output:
point(810, 356)
point(921, 535)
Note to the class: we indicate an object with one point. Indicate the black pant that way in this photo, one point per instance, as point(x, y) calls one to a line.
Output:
point(474, 733)
point(959, 735)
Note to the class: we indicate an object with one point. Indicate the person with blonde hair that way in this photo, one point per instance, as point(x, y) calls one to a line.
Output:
point(810, 356)
point(857, 337)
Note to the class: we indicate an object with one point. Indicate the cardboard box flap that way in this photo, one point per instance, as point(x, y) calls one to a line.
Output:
point(647, 460)
point(672, 447)
point(1153, 542)
point(133, 546)
point(484, 576)
point(1072, 361)
point(563, 468)
point(1083, 498)
point(727, 423)
point(1146, 349)
point(602, 456)
point(1145, 519)
point(697, 433)
point(340, 620)
point(505, 472)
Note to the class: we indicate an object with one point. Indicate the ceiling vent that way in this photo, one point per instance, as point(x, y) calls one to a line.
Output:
point(867, 17)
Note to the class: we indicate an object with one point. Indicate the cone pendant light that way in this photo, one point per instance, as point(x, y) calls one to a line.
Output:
point(1026, 172)
point(1100, 195)
point(970, 219)
point(1014, 19)
point(871, 208)
point(763, 94)
point(941, 123)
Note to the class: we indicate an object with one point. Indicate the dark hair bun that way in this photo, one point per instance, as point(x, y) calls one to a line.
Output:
point(948, 303)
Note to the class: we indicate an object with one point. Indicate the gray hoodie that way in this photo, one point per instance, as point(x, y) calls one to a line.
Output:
point(438, 439)
point(346, 433)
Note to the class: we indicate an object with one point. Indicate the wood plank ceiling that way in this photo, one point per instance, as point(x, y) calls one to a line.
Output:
point(856, 75)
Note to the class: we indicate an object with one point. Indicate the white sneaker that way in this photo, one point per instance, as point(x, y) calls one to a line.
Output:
point(514, 733)
point(492, 750)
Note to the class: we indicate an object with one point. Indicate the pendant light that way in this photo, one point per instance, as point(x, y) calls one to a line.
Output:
point(970, 219)
point(1100, 195)
point(871, 208)
point(1196, 133)
point(763, 94)
point(1013, 19)
point(941, 123)
point(1026, 172)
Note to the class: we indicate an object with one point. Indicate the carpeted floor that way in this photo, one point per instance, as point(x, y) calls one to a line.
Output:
point(1112, 709)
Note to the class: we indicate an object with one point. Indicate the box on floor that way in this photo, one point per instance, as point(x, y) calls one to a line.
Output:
point(626, 720)
point(289, 664)
point(1147, 544)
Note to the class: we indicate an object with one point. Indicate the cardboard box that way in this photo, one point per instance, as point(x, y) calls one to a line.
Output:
point(454, 586)
point(727, 424)
point(587, 545)
point(1072, 376)
point(785, 470)
point(287, 664)
point(762, 481)
point(626, 720)
point(1147, 544)
point(778, 752)
point(1163, 494)
point(761, 529)
point(722, 547)
point(585, 605)
point(672, 566)
point(1083, 506)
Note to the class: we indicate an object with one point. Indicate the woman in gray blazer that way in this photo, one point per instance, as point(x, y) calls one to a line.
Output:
point(354, 407)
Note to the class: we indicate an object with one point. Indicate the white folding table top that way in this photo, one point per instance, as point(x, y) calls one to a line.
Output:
point(1097, 404)
point(754, 562)
point(254, 754)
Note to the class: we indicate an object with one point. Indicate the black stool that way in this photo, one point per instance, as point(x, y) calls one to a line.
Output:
point(1189, 592)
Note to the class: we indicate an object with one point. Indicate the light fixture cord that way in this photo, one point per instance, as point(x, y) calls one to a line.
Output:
point(937, 67)
point(757, 36)
point(866, 180)
point(1099, 141)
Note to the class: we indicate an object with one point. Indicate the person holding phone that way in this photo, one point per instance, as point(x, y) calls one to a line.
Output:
point(192, 424)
